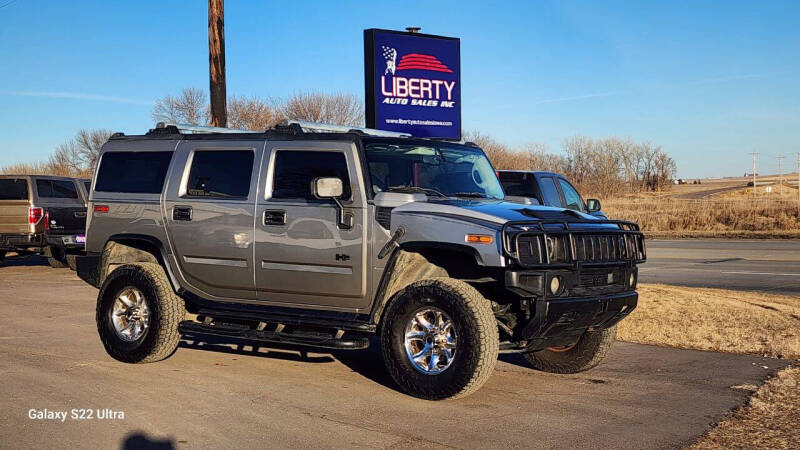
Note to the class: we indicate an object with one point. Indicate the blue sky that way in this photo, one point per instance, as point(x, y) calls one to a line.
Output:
point(709, 81)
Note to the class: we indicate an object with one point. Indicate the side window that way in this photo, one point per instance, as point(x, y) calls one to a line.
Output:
point(550, 192)
point(13, 189)
point(88, 186)
point(222, 174)
point(294, 172)
point(56, 189)
point(571, 196)
point(133, 172)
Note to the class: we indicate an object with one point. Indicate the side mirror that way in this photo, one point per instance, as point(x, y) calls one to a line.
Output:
point(332, 188)
point(593, 205)
point(327, 188)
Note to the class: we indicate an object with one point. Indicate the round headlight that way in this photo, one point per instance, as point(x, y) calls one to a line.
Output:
point(631, 280)
point(555, 285)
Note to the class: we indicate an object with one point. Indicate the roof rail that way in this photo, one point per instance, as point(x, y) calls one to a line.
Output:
point(184, 128)
point(314, 127)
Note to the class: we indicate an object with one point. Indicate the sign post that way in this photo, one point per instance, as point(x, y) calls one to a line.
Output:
point(413, 83)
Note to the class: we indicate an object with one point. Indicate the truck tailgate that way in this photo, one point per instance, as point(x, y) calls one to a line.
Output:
point(14, 217)
point(67, 219)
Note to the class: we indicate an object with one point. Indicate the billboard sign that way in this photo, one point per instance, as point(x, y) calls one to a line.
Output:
point(413, 83)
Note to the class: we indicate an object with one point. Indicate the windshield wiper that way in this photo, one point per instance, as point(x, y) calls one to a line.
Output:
point(412, 189)
point(470, 194)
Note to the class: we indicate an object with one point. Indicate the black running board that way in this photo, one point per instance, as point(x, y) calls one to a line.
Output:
point(320, 340)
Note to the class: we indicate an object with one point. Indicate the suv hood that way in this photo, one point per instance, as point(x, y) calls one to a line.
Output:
point(495, 212)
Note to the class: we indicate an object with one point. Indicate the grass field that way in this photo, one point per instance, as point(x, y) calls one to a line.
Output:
point(711, 217)
point(735, 322)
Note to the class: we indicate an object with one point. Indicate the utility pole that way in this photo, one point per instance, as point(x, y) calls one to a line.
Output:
point(755, 156)
point(780, 175)
point(216, 62)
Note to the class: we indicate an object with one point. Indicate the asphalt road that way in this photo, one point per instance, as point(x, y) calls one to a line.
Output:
point(770, 266)
point(223, 395)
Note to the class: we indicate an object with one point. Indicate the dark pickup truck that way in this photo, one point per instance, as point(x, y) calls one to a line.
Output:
point(43, 214)
point(548, 189)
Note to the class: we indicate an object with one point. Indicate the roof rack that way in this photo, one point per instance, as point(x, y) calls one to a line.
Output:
point(184, 128)
point(299, 125)
point(315, 127)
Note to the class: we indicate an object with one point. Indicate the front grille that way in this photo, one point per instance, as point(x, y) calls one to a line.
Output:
point(599, 248)
point(603, 248)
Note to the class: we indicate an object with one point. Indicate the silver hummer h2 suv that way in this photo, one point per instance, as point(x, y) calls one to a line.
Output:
point(310, 235)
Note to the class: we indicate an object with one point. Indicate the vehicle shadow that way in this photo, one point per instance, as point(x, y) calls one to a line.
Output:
point(24, 261)
point(140, 440)
point(367, 363)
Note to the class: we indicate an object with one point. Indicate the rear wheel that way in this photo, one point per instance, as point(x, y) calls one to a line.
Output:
point(588, 352)
point(2, 257)
point(72, 262)
point(138, 314)
point(56, 257)
point(439, 339)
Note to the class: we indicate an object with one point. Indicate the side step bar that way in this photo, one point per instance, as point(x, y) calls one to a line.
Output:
point(320, 340)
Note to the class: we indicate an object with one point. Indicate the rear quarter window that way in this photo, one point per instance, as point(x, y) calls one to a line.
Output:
point(133, 172)
point(56, 188)
point(13, 189)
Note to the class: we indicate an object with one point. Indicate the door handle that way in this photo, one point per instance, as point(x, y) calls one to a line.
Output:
point(274, 217)
point(183, 213)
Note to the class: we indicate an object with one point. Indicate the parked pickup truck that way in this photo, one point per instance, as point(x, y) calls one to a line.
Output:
point(546, 188)
point(42, 214)
point(304, 235)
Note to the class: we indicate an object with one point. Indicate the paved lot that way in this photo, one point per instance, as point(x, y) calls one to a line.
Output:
point(223, 395)
point(770, 266)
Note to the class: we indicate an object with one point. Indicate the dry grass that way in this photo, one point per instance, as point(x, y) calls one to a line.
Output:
point(715, 319)
point(770, 420)
point(714, 217)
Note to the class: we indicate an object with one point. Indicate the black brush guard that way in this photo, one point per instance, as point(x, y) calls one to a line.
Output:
point(558, 320)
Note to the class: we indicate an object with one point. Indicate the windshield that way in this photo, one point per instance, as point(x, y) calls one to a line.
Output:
point(439, 169)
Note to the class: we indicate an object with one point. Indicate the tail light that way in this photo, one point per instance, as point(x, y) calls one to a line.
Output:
point(101, 208)
point(35, 215)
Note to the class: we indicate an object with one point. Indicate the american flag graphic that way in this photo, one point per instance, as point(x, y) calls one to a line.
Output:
point(422, 62)
point(411, 61)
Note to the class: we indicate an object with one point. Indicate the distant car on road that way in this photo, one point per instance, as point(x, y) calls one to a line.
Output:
point(548, 189)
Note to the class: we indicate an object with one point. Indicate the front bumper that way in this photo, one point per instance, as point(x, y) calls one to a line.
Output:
point(560, 322)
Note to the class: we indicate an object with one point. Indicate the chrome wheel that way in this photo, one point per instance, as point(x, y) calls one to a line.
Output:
point(430, 341)
point(130, 314)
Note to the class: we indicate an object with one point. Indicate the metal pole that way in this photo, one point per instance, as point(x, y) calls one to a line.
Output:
point(780, 175)
point(755, 155)
point(216, 62)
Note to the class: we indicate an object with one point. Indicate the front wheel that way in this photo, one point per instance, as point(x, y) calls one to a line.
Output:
point(588, 352)
point(138, 314)
point(439, 339)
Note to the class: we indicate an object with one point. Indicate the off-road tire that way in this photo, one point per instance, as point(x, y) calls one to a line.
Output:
point(478, 340)
point(56, 263)
point(588, 352)
point(166, 311)
point(72, 262)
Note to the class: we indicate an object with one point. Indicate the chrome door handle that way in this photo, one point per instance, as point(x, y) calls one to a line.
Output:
point(274, 217)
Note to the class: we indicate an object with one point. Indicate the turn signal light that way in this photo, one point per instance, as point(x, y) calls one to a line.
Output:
point(101, 209)
point(479, 239)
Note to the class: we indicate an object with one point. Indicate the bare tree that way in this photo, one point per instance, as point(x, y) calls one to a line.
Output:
point(76, 157)
point(190, 106)
point(337, 108)
point(253, 113)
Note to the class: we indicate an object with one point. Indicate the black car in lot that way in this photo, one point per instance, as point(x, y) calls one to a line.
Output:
point(548, 189)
